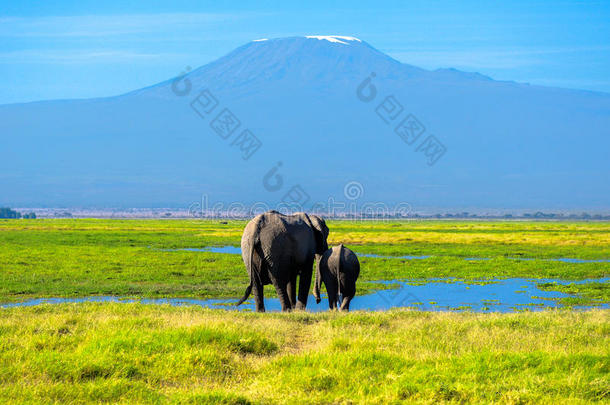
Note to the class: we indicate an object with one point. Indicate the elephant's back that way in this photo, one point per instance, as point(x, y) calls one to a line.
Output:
point(252, 232)
point(283, 238)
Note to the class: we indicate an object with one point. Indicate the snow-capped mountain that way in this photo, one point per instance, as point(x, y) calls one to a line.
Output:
point(331, 110)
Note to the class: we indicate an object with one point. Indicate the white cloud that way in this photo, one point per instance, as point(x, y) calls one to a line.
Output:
point(108, 25)
point(81, 56)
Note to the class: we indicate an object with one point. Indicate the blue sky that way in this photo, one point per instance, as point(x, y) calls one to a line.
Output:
point(76, 49)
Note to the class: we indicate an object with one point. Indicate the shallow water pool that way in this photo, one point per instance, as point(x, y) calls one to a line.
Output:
point(507, 295)
point(237, 250)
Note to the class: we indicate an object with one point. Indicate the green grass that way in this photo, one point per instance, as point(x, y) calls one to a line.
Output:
point(77, 257)
point(584, 294)
point(134, 353)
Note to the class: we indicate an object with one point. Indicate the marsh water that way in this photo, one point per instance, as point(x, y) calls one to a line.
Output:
point(501, 295)
point(489, 295)
point(237, 250)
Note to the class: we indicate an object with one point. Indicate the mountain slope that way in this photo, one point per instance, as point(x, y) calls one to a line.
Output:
point(508, 145)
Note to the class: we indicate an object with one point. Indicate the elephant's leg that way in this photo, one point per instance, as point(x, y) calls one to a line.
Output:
point(330, 281)
point(345, 303)
point(292, 290)
point(304, 284)
point(281, 287)
point(259, 300)
point(332, 299)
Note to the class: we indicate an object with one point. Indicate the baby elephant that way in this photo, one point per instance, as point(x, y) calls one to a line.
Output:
point(339, 268)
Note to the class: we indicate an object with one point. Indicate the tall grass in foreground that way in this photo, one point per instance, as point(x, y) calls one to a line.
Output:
point(144, 353)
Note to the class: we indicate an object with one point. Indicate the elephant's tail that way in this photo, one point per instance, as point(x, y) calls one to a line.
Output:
point(339, 270)
point(246, 295)
point(248, 258)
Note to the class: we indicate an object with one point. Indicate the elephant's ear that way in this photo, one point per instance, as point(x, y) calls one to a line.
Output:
point(320, 231)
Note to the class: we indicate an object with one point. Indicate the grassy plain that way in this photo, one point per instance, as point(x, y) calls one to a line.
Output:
point(82, 257)
point(136, 353)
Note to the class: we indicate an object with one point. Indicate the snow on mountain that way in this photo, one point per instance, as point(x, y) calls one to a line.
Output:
point(333, 38)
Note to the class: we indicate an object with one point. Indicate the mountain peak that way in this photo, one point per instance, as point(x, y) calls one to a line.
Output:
point(333, 38)
point(318, 60)
point(338, 39)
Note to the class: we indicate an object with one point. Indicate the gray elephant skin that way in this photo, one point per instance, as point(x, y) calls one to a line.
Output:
point(277, 249)
point(339, 269)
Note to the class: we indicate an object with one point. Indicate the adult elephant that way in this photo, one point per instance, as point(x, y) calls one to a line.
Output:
point(276, 248)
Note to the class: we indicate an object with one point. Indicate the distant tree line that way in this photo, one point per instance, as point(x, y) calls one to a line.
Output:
point(7, 213)
point(536, 215)
point(465, 215)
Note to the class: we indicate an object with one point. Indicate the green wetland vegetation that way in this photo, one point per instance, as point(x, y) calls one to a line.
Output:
point(78, 257)
point(96, 352)
point(134, 353)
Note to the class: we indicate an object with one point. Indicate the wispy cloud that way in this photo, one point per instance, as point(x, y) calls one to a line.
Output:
point(109, 38)
point(80, 56)
point(110, 25)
